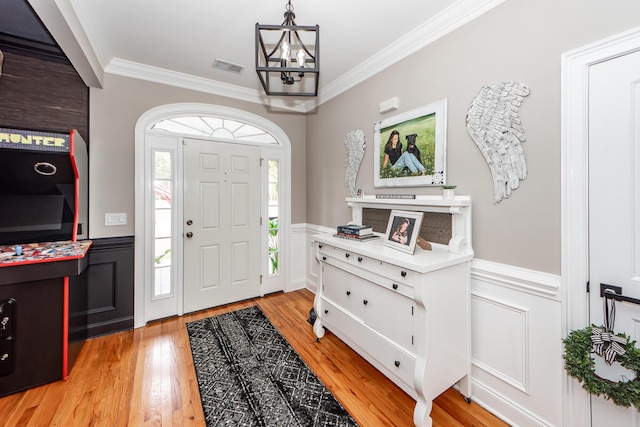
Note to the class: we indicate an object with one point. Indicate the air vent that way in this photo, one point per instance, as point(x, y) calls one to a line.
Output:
point(228, 66)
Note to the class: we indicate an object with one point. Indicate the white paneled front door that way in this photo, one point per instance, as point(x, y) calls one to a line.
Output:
point(221, 229)
point(614, 210)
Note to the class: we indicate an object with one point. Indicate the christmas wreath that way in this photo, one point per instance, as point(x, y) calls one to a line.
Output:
point(579, 345)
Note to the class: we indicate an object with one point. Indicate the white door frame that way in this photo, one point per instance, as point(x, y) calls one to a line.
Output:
point(574, 197)
point(142, 186)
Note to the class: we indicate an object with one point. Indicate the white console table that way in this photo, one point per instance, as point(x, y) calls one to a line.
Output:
point(408, 315)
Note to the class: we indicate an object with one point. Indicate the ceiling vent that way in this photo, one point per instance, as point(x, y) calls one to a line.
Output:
point(227, 66)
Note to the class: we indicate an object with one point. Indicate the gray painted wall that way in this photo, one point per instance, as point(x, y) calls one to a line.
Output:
point(519, 40)
point(114, 111)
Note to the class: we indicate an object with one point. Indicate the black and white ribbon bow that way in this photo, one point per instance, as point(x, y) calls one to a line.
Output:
point(607, 344)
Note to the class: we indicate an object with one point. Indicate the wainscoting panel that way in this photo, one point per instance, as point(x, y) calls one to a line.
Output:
point(507, 360)
point(110, 286)
point(297, 260)
point(517, 365)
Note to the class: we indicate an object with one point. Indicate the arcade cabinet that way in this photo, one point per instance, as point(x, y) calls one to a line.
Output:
point(43, 243)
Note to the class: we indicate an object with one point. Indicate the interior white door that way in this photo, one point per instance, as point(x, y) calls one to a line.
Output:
point(614, 209)
point(222, 223)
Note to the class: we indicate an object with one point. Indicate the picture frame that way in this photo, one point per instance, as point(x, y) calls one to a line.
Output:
point(427, 128)
point(403, 230)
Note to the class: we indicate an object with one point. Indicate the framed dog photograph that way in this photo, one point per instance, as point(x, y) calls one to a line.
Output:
point(403, 230)
point(410, 148)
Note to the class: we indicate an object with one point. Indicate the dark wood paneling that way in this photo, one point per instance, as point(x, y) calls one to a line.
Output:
point(436, 227)
point(42, 95)
point(109, 285)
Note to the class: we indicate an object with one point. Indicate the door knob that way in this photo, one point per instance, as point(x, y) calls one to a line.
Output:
point(189, 222)
point(189, 234)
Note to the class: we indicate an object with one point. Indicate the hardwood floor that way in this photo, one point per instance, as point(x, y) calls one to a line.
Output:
point(146, 377)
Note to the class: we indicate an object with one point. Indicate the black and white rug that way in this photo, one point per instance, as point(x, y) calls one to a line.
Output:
point(249, 375)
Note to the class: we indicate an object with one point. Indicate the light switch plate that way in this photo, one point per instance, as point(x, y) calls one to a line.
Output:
point(115, 219)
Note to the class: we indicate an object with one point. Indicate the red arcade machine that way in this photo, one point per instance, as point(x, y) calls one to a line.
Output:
point(43, 231)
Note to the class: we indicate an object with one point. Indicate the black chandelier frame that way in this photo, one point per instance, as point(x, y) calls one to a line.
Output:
point(271, 67)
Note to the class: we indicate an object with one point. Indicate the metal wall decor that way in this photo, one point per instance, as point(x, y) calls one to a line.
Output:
point(493, 122)
point(355, 144)
point(288, 57)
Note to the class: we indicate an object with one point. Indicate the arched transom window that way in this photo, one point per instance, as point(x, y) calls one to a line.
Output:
point(215, 127)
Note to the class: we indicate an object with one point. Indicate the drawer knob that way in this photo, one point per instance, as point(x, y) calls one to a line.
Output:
point(359, 259)
point(347, 255)
point(403, 273)
point(365, 302)
point(320, 246)
point(348, 293)
point(395, 286)
point(324, 258)
point(397, 363)
point(326, 312)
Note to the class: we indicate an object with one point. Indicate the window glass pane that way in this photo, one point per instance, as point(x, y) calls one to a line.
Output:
point(265, 138)
point(162, 223)
point(162, 165)
point(232, 125)
point(173, 126)
point(273, 245)
point(162, 281)
point(223, 133)
point(273, 167)
point(196, 124)
point(163, 252)
point(162, 215)
point(215, 127)
point(162, 189)
point(273, 193)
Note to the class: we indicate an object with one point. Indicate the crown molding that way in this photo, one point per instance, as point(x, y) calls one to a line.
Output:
point(450, 19)
point(186, 81)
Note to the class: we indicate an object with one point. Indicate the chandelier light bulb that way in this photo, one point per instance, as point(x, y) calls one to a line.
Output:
point(285, 54)
point(302, 56)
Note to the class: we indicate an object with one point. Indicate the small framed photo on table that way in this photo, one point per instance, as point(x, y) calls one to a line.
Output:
point(403, 230)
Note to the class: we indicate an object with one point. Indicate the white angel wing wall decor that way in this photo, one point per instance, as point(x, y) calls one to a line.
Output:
point(355, 145)
point(493, 122)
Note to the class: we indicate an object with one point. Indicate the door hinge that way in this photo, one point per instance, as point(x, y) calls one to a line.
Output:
point(588, 287)
point(260, 220)
point(261, 160)
point(411, 339)
point(412, 311)
point(261, 279)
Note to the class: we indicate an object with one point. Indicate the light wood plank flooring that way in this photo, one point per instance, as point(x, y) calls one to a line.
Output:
point(146, 377)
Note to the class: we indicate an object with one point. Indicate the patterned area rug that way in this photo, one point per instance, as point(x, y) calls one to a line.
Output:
point(249, 375)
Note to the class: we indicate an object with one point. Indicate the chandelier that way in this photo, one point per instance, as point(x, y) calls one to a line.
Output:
point(287, 57)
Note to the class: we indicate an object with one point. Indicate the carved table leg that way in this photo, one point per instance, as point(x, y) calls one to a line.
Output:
point(421, 415)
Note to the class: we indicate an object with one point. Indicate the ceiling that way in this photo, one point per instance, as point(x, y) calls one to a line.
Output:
point(177, 41)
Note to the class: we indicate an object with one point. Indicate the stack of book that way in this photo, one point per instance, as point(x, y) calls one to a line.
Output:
point(355, 232)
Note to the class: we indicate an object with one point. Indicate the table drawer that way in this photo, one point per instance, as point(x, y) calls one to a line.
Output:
point(396, 274)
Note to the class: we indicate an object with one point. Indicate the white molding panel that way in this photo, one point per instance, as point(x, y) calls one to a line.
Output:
point(507, 360)
point(516, 343)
